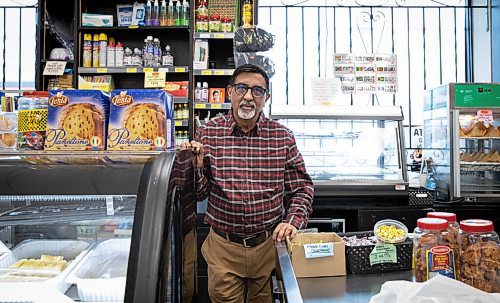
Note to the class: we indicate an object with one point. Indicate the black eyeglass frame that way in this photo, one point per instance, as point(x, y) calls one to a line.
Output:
point(247, 87)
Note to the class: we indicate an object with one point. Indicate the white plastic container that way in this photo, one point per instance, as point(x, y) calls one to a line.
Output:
point(72, 250)
point(101, 275)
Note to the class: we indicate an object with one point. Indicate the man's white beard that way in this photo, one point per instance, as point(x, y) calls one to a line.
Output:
point(247, 114)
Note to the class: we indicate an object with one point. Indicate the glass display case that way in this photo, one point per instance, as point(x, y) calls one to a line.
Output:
point(97, 226)
point(462, 141)
point(350, 151)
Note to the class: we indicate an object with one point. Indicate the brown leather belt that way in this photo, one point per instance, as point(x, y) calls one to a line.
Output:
point(245, 240)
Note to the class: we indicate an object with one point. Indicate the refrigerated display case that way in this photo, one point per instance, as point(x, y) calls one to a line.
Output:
point(352, 153)
point(462, 141)
point(122, 223)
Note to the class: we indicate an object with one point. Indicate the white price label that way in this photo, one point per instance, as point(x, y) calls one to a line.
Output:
point(318, 250)
point(110, 210)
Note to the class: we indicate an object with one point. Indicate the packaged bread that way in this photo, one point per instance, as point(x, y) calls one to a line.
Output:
point(77, 120)
point(140, 119)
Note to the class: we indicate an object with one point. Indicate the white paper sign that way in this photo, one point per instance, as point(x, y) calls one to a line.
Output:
point(54, 68)
point(318, 250)
point(325, 90)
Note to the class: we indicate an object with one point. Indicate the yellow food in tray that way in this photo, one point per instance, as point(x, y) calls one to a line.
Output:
point(391, 233)
point(47, 262)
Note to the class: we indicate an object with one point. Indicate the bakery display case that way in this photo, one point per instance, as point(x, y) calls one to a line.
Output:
point(355, 153)
point(462, 141)
point(97, 226)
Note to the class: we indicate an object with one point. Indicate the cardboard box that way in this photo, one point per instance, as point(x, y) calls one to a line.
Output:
point(177, 88)
point(216, 95)
point(317, 267)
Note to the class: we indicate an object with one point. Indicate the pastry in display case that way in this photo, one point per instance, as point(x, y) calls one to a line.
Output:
point(462, 138)
point(94, 226)
point(350, 151)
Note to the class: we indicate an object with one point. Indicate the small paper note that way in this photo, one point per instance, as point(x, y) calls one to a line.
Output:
point(384, 253)
point(54, 68)
point(154, 79)
point(485, 115)
point(318, 250)
point(325, 90)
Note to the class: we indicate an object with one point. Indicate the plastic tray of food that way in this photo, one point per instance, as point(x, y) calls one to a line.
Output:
point(101, 275)
point(390, 231)
point(40, 263)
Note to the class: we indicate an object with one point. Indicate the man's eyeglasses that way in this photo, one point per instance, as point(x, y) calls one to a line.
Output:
point(257, 91)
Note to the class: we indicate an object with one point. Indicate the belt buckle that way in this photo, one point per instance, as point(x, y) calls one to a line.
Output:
point(245, 243)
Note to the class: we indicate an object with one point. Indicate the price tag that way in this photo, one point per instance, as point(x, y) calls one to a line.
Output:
point(204, 36)
point(101, 70)
point(219, 36)
point(384, 253)
point(485, 115)
point(131, 70)
point(200, 105)
point(216, 106)
point(219, 72)
point(318, 250)
point(54, 68)
point(148, 69)
point(206, 72)
point(133, 26)
point(180, 69)
point(178, 123)
point(154, 79)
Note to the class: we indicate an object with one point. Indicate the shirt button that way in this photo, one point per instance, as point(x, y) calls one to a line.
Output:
point(244, 160)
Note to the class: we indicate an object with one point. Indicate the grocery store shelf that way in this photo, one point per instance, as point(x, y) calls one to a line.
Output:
point(213, 72)
point(128, 28)
point(481, 138)
point(132, 70)
point(212, 105)
point(213, 35)
point(479, 166)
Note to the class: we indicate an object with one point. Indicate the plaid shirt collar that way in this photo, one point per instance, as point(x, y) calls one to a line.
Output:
point(233, 128)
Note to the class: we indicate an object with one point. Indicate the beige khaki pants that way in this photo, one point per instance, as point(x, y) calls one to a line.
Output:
point(238, 274)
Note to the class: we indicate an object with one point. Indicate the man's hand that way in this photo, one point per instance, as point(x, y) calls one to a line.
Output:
point(198, 152)
point(283, 230)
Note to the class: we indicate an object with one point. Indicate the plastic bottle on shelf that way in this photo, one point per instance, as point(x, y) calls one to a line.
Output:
point(148, 13)
point(156, 52)
point(111, 54)
point(197, 92)
point(95, 51)
point(178, 13)
point(127, 57)
point(155, 19)
point(103, 38)
point(87, 50)
point(119, 55)
point(137, 59)
point(204, 92)
point(167, 58)
point(185, 13)
point(163, 13)
point(185, 112)
point(149, 53)
point(202, 9)
point(170, 13)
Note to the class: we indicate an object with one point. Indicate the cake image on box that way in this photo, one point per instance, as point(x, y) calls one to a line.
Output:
point(140, 119)
point(77, 120)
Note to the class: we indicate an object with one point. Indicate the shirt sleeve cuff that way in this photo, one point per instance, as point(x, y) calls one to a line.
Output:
point(296, 221)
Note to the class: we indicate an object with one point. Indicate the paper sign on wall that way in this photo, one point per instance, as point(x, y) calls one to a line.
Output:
point(54, 68)
point(324, 90)
point(318, 250)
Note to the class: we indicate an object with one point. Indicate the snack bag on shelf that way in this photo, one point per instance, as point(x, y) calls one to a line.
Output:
point(77, 120)
point(141, 119)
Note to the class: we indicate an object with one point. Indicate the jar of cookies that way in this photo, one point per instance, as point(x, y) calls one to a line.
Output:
point(432, 254)
point(451, 234)
point(479, 255)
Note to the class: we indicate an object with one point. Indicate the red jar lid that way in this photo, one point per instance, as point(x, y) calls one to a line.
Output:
point(476, 226)
point(432, 223)
point(450, 217)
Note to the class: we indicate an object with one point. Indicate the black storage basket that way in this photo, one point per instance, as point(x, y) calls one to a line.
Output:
point(421, 196)
point(358, 257)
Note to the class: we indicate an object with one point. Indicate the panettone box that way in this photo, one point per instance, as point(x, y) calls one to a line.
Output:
point(317, 255)
point(141, 119)
point(77, 120)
